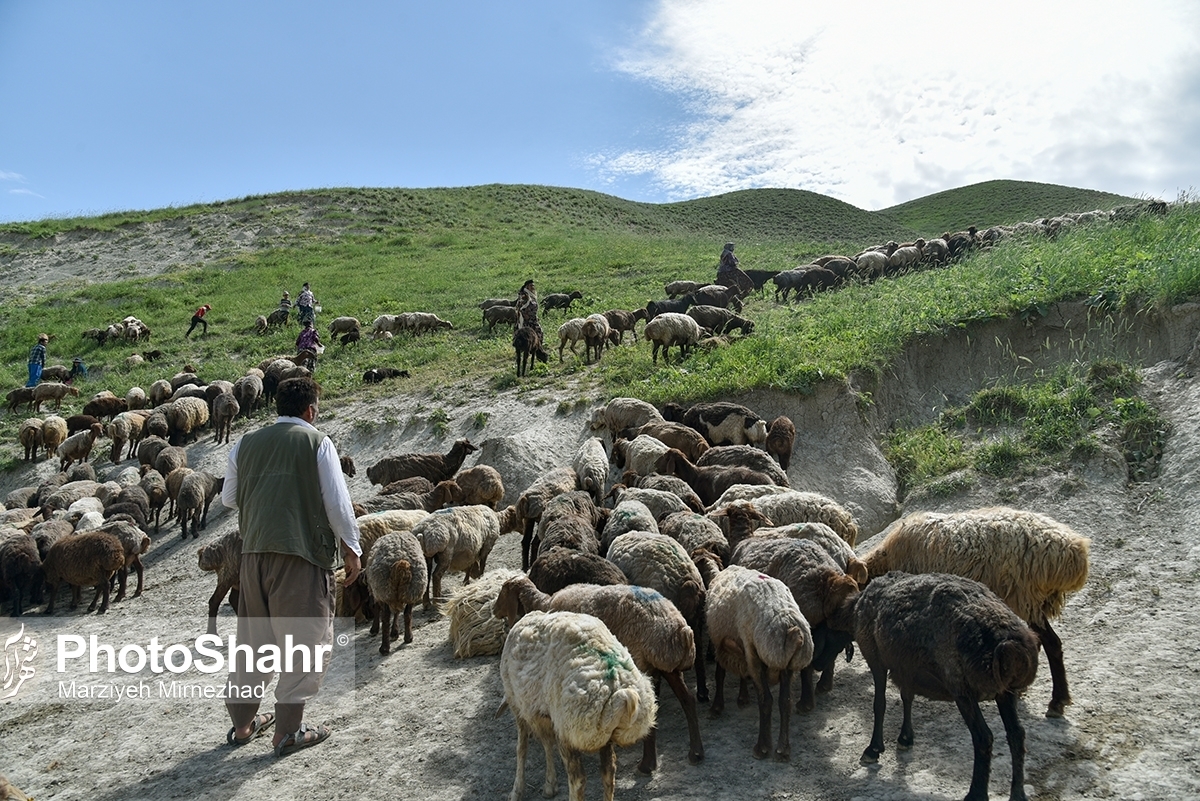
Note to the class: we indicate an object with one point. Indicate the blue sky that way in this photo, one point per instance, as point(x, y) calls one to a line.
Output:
point(133, 105)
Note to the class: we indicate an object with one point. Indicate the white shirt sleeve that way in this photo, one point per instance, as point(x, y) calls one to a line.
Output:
point(336, 496)
point(229, 489)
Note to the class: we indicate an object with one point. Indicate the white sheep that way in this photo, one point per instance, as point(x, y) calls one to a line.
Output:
point(570, 332)
point(660, 502)
point(30, 435)
point(792, 506)
point(160, 392)
point(480, 484)
point(373, 526)
point(672, 329)
point(569, 681)
point(396, 575)
point(342, 325)
point(1030, 560)
point(622, 413)
point(905, 257)
point(758, 633)
point(421, 322)
point(78, 446)
point(591, 466)
point(458, 539)
point(385, 323)
point(640, 454)
point(54, 391)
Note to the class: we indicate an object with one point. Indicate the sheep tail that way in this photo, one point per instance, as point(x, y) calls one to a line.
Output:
point(621, 711)
point(1014, 663)
point(401, 574)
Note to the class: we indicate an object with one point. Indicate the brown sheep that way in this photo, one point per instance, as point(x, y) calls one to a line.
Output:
point(30, 435)
point(781, 438)
point(434, 466)
point(52, 391)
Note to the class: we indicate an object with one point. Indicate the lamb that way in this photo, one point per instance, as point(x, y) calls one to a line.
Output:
point(376, 375)
point(744, 456)
point(562, 567)
point(591, 466)
point(677, 288)
point(458, 539)
point(350, 338)
point(480, 484)
point(474, 628)
point(248, 392)
point(595, 335)
point(225, 409)
point(720, 320)
point(222, 556)
point(823, 592)
point(262, 325)
point(422, 322)
point(548, 658)
point(660, 563)
point(570, 333)
point(108, 406)
point(1030, 560)
point(671, 328)
point(658, 638)
point(185, 418)
point(759, 633)
point(434, 466)
point(88, 559)
point(20, 570)
point(641, 454)
point(52, 391)
point(54, 433)
point(30, 435)
point(18, 396)
point(723, 423)
point(342, 325)
point(196, 494)
point(77, 447)
point(533, 501)
point(709, 482)
point(948, 638)
point(560, 300)
point(396, 576)
point(499, 314)
point(781, 438)
point(620, 321)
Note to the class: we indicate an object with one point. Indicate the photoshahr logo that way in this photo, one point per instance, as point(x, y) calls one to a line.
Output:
point(19, 652)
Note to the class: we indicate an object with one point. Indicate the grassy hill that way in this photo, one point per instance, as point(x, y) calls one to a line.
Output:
point(375, 251)
point(995, 203)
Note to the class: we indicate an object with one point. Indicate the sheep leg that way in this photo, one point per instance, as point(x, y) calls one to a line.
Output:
point(425, 602)
point(385, 628)
point(905, 740)
point(576, 778)
point(649, 752)
point(981, 738)
point(214, 605)
point(526, 545)
point(122, 582)
point(103, 606)
point(137, 565)
point(550, 784)
point(1007, 704)
point(743, 691)
point(871, 755)
point(1060, 694)
point(784, 750)
point(608, 773)
point(701, 648)
point(807, 699)
point(522, 746)
point(396, 622)
point(53, 588)
point(718, 704)
point(688, 702)
point(762, 684)
point(408, 623)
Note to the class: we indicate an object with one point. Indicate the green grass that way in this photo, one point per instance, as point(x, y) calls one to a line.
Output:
point(996, 203)
point(374, 251)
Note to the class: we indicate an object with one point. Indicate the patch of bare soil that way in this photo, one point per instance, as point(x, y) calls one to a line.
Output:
point(421, 724)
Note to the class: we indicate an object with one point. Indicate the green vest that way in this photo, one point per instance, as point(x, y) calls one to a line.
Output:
point(280, 509)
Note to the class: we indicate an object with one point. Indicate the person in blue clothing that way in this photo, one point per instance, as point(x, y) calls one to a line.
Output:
point(78, 370)
point(37, 360)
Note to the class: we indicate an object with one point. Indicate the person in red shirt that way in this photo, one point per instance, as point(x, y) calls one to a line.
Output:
point(198, 319)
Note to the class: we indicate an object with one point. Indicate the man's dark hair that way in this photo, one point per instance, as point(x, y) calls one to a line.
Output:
point(295, 395)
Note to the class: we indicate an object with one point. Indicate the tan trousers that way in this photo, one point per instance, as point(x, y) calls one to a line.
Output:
point(281, 595)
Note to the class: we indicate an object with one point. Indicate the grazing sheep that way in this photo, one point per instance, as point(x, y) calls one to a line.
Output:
point(422, 322)
point(823, 592)
point(720, 320)
point(660, 563)
point(562, 567)
point(533, 502)
point(30, 435)
point(222, 556)
point(950, 639)
point(677, 288)
point(261, 324)
point(18, 396)
point(77, 447)
point(569, 681)
point(20, 570)
point(1030, 560)
point(341, 325)
point(560, 300)
point(591, 466)
point(480, 484)
point(758, 633)
point(677, 306)
point(570, 333)
point(196, 493)
point(723, 423)
point(225, 409)
point(781, 438)
point(434, 466)
point(88, 559)
point(621, 320)
point(710, 481)
point(248, 392)
point(375, 375)
point(658, 638)
point(474, 628)
point(905, 257)
point(52, 391)
point(386, 324)
point(396, 576)
point(744, 456)
point(458, 539)
point(717, 296)
point(350, 338)
point(871, 264)
point(499, 314)
point(671, 329)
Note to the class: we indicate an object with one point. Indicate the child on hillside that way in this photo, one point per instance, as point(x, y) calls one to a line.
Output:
point(198, 319)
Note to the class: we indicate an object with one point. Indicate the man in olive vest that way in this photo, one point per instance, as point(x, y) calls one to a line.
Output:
point(294, 508)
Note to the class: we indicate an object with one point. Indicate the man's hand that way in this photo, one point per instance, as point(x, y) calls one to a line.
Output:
point(353, 565)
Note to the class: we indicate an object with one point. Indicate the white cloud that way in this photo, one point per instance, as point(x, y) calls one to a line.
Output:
point(11, 176)
point(29, 192)
point(876, 105)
